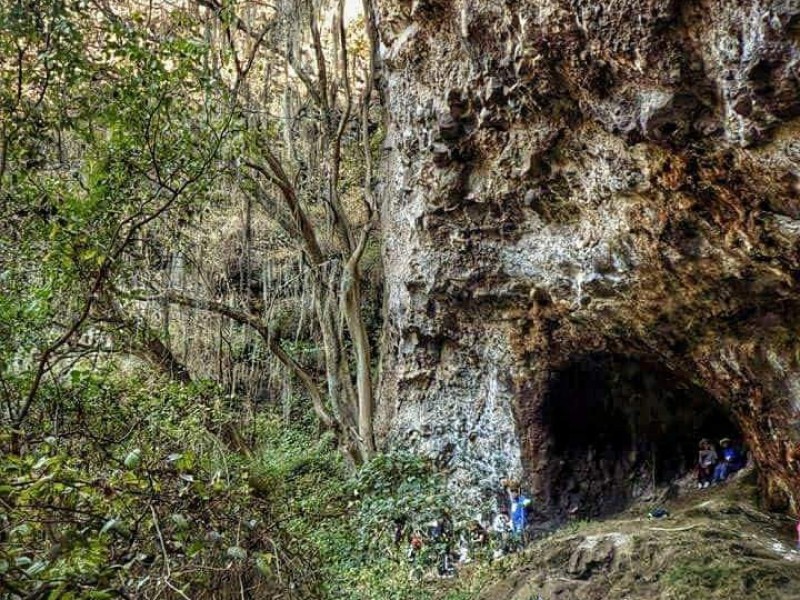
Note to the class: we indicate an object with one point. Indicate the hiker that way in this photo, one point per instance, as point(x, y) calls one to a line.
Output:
point(442, 536)
point(478, 536)
point(414, 546)
point(798, 535)
point(415, 555)
point(518, 512)
point(706, 461)
point(732, 461)
point(472, 540)
point(501, 532)
point(399, 530)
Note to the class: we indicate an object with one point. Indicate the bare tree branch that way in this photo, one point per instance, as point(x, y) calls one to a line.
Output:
point(145, 342)
point(275, 174)
point(273, 343)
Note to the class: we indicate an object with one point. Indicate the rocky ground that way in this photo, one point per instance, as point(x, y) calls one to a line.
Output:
point(715, 544)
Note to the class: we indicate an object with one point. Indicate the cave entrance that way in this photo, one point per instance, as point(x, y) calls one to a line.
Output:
point(617, 428)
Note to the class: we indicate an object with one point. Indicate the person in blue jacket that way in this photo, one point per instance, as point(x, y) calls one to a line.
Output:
point(518, 512)
point(731, 460)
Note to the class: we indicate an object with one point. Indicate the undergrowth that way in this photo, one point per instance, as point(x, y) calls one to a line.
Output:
point(126, 488)
point(136, 489)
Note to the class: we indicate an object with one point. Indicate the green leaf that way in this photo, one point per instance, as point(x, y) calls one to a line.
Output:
point(180, 521)
point(42, 462)
point(36, 568)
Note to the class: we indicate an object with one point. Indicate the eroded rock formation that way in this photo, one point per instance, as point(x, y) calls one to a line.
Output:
point(589, 180)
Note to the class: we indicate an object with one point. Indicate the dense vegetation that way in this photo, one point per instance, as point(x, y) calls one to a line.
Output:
point(134, 491)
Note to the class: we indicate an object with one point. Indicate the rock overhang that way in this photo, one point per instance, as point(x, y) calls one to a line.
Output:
point(559, 179)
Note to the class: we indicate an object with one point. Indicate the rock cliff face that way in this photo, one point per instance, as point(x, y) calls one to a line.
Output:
point(591, 222)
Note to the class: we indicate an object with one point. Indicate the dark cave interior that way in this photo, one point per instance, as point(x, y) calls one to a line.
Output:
point(619, 427)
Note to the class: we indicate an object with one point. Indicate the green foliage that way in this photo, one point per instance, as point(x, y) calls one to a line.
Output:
point(94, 148)
point(396, 486)
point(126, 477)
point(346, 521)
point(711, 572)
point(114, 130)
point(694, 577)
point(128, 480)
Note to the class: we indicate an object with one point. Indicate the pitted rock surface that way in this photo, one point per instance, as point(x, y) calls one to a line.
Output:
point(573, 177)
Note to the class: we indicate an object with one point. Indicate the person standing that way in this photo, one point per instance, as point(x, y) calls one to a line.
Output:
point(442, 536)
point(518, 508)
point(473, 540)
point(519, 516)
point(501, 531)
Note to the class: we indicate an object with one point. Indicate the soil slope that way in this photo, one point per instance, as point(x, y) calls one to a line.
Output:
point(715, 544)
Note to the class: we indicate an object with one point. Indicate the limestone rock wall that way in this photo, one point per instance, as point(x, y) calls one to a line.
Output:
point(572, 176)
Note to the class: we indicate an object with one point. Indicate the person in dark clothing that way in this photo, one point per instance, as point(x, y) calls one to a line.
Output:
point(472, 541)
point(478, 536)
point(706, 461)
point(399, 530)
point(441, 534)
point(732, 461)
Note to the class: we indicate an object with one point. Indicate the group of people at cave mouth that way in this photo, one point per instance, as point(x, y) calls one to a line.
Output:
point(714, 466)
point(440, 541)
point(508, 530)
